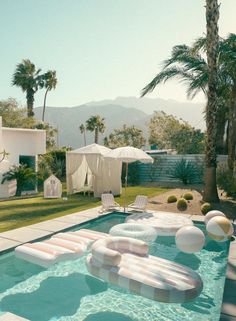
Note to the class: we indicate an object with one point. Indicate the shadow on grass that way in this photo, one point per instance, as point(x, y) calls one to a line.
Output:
point(24, 216)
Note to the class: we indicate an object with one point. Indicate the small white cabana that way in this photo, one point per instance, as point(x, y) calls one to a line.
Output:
point(52, 187)
point(87, 169)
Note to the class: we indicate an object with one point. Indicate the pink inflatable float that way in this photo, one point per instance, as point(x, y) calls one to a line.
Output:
point(165, 224)
point(60, 247)
point(125, 262)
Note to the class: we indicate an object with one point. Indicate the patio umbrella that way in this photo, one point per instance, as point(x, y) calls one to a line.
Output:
point(129, 154)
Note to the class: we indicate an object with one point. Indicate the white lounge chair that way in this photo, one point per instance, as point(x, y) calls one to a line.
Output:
point(139, 204)
point(108, 203)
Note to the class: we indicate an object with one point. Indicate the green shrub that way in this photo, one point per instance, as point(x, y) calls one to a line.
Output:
point(188, 196)
point(53, 162)
point(205, 208)
point(226, 181)
point(186, 171)
point(182, 204)
point(172, 199)
point(23, 176)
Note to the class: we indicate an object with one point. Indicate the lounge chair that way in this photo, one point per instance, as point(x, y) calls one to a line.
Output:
point(125, 262)
point(139, 204)
point(108, 203)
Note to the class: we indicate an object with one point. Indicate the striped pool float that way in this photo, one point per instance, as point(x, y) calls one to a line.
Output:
point(60, 247)
point(125, 262)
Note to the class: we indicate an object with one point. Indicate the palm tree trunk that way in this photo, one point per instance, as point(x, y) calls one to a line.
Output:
point(85, 143)
point(232, 131)
point(30, 102)
point(221, 120)
point(212, 15)
point(44, 104)
point(96, 136)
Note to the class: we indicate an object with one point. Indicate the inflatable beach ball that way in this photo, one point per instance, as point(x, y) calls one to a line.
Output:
point(219, 229)
point(189, 239)
point(212, 214)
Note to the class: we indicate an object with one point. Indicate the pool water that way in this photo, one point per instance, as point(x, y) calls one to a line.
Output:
point(67, 292)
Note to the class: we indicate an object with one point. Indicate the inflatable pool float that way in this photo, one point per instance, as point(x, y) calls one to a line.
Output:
point(60, 247)
point(125, 262)
point(137, 231)
point(165, 224)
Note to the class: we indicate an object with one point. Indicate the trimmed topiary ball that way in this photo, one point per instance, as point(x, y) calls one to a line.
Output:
point(205, 208)
point(182, 204)
point(188, 196)
point(172, 199)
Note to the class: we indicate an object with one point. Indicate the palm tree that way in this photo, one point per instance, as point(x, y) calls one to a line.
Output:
point(50, 82)
point(96, 124)
point(82, 129)
point(227, 60)
point(212, 16)
point(29, 80)
point(187, 64)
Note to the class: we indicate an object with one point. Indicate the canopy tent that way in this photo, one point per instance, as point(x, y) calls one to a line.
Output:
point(87, 169)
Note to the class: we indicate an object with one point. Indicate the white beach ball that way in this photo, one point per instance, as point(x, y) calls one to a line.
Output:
point(219, 229)
point(189, 239)
point(212, 214)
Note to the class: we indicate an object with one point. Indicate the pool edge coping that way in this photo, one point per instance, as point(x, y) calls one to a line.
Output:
point(98, 214)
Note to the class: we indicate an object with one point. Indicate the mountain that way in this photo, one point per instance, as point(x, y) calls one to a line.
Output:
point(117, 112)
point(189, 111)
point(68, 120)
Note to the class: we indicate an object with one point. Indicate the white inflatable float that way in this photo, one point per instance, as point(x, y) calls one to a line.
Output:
point(138, 231)
point(125, 262)
point(165, 224)
point(60, 247)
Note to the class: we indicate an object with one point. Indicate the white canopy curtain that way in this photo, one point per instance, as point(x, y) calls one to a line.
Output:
point(102, 175)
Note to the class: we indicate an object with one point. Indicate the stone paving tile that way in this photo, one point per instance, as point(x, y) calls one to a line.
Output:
point(232, 251)
point(229, 298)
point(74, 220)
point(91, 212)
point(231, 271)
point(229, 308)
point(24, 234)
point(6, 244)
point(11, 317)
point(225, 317)
point(198, 218)
point(52, 225)
point(90, 215)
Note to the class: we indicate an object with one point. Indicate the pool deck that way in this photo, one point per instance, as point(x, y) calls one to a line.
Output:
point(13, 238)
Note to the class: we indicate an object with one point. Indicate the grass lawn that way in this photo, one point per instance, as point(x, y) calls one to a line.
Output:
point(22, 212)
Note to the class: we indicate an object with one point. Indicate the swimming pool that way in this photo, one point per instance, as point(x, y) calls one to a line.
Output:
point(67, 292)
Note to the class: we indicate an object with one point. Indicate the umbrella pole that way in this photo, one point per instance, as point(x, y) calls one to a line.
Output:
point(126, 181)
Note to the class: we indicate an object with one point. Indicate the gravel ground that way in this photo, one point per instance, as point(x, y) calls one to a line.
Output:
point(159, 203)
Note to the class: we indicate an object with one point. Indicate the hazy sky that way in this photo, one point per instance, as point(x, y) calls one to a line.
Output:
point(100, 48)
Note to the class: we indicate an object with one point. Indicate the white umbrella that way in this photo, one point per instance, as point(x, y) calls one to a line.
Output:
point(128, 155)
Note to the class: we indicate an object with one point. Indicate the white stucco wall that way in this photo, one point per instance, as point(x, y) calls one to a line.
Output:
point(16, 142)
point(1, 144)
point(27, 142)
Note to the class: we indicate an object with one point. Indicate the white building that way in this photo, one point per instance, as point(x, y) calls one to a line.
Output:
point(23, 147)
